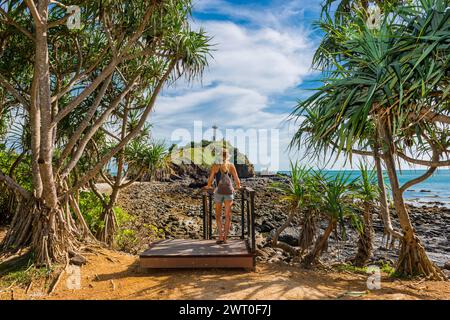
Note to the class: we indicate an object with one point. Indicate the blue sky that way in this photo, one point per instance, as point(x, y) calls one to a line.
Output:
point(261, 65)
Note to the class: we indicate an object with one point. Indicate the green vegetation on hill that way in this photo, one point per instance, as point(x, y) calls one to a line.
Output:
point(203, 153)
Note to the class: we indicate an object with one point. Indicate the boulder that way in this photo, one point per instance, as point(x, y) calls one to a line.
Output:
point(190, 170)
point(78, 260)
point(290, 235)
point(447, 265)
point(200, 183)
point(245, 170)
point(266, 226)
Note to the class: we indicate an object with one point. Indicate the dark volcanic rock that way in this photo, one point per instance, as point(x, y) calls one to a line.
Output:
point(266, 226)
point(78, 260)
point(190, 170)
point(200, 183)
point(245, 170)
point(290, 235)
point(447, 265)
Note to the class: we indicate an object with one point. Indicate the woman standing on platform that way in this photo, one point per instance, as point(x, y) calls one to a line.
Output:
point(223, 192)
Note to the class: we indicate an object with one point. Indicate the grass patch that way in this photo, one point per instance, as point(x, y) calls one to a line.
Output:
point(388, 269)
point(21, 272)
point(385, 267)
point(351, 268)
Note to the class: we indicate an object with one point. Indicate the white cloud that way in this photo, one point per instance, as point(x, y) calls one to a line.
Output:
point(279, 13)
point(266, 60)
point(244, 86)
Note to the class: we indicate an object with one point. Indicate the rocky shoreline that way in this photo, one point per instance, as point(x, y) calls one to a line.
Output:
point(173, 210)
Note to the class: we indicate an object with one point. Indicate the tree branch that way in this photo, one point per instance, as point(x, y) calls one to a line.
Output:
point(355, 151)
point(85, 123)
point(112, 135)
point(13, 91)
point(16, 25)
point(423, 162)
point(97, 193)
point(141, 27)
point(88, 136)
point(107, 71)
point(14, 185)
point(136, 178)
point(427, 174)
point(433, 116)
point(91, 173)
point(34, 11)
point(79, 75)
point(86, 92)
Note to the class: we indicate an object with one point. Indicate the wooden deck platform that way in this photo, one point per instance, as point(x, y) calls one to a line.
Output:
point(189, 253)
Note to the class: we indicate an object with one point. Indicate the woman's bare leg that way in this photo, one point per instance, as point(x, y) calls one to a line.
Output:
point(219, 220)
point(228, 204)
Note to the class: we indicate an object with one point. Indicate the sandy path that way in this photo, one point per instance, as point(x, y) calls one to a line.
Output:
point(115, 275)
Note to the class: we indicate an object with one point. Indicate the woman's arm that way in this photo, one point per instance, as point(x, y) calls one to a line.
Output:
point(211, 175)
point(235, 176)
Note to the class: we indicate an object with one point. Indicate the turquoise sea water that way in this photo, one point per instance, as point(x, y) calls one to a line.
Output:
point(434, 189)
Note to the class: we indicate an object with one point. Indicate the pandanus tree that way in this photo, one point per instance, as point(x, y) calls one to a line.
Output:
point(392, 77)
point(366, 193)
point(371, 11)
point(335, 206)
point(139, 157)
point(54, 73)
point(326, 147)
point(295, 194)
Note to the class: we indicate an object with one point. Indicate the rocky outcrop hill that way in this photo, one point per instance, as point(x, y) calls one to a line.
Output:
point(194, 161)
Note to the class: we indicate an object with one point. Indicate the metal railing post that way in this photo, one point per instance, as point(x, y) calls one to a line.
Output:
point(242, 213)
point(205, 224)
point(210, 216)
point(252, 214)
point(248, 217)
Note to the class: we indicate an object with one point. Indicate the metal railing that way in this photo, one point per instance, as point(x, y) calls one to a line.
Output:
point(247, 201)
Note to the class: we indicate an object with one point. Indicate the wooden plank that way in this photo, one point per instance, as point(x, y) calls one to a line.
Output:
point(190, 253)
point(197, 262)
point(200, 248)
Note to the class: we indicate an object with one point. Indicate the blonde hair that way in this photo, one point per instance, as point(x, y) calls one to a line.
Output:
point(224, 163)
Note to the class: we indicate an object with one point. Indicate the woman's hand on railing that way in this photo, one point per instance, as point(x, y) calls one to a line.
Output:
point(207, 188)
point(244, 188)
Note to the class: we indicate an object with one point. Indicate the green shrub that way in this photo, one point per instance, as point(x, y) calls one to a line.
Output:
point(388, 269)
point(126, 239)
point(21, 174)
point(91, 208)
point(122, 216)
point(154, 233)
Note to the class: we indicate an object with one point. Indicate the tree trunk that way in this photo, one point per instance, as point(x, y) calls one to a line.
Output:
point(40, 219)
point(320, 245)
point(365, 242)
point(412, 259)
point(282, 245)
point(107, 233)
point(42, 227)
point(308, 231)
point(389, 231)
point(108, 216)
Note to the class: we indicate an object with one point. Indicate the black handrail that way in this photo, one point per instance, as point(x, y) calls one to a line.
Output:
point(247, 216)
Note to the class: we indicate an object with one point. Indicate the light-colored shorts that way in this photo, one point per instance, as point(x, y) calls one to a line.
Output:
point(219, 198)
